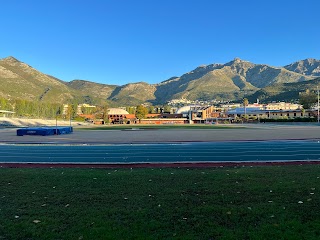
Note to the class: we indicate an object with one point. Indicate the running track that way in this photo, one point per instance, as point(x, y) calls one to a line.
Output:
point(213, 152)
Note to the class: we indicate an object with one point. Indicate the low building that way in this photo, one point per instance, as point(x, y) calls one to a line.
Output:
point(164, 121)
point(185, 110)
point(257, 113)
point(249, 112)
point(120, 116)
point(115, 116)
point(199, 115)
point(230, 105)
point(163, 115)
point(282, 106)
point(85, 108)
point(277, 114)
point(298, 113)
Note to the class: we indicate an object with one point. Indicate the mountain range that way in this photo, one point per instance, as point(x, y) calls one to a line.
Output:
point(230, 81)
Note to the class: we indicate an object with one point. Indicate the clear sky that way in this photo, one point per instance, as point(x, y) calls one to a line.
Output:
point(122, 41)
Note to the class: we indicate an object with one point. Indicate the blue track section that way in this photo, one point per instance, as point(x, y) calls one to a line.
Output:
point(143, 153)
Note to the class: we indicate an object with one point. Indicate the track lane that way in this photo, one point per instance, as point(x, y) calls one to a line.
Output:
point(260, 151)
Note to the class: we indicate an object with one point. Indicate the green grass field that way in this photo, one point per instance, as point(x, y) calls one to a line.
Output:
point(274, 202)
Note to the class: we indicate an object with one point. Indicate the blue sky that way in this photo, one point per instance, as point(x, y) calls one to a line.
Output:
point(122, 41)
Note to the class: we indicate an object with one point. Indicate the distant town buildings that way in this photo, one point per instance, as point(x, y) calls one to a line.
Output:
point(282, 106)
point(183, 102)
point(195, 113)
point(84, 108)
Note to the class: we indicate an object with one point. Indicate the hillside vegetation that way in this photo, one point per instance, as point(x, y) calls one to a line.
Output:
point(21, 81)
point(284, 91)
point(230, 81)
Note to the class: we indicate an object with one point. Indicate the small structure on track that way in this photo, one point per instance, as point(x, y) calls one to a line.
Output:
point(44, 131)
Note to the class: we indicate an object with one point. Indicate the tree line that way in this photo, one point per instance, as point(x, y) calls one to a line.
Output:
point(30, 109)
point(38, 109)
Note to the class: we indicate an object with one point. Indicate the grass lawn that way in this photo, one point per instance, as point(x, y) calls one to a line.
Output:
point(276, 202)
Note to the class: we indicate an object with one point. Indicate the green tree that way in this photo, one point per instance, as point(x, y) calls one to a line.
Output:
point(151, 109)
point(166, 109)
point(101, 112)
point(70, 111)
point(141, 112)
point(3, 104)
point(131, 110)
point(245, 104)
point(105, 117)
point(24, 108)
point(307, 99)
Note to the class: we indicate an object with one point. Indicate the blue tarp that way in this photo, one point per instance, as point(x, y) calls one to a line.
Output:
point(44, 131)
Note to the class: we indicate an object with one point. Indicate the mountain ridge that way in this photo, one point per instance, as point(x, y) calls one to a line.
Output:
point(309, 66)
point(19, 80)
point(232, 80)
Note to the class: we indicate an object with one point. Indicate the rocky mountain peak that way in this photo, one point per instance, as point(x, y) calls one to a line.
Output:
point(309, 66)
point(10, 59)
point(239, 66)
point(310, 60)
point(238, 62)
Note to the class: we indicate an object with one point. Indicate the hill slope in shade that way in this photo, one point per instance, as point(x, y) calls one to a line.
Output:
point(133, 93)
point(288, 92)
point(93, 92)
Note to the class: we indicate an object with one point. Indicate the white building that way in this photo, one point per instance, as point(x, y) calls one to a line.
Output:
point(282, 106)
